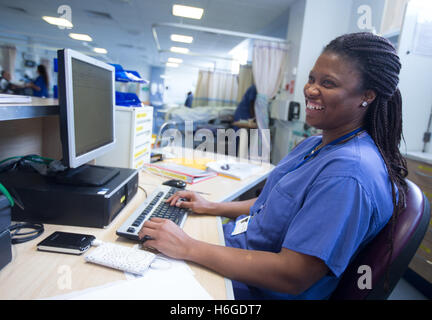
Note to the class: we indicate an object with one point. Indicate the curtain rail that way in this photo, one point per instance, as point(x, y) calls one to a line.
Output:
point(219, 31)
point(211, 30)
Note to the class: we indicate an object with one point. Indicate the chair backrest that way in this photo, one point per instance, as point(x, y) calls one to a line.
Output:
point(409, 231)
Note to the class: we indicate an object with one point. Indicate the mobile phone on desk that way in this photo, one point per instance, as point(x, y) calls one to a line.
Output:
point(66, 242)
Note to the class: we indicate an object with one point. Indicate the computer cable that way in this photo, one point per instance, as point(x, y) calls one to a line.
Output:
point(7, 195)
point(143, 190)
point(30, 157)
point(17, 236)
point(42, 165)
point(21, 237)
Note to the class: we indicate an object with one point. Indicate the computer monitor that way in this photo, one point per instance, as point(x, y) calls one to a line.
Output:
point(87, 111)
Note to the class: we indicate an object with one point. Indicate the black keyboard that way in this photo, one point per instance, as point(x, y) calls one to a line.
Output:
point(153, 206)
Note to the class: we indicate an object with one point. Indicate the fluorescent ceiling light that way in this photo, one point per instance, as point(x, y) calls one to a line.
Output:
point(179, 50)
point(173, 65)
point(175, 60)
point(187, 12)
point(100, 50)
point(62, 22)
point(80, 36)
point(181, 38)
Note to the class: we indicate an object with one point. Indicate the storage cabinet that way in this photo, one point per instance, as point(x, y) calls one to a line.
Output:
point(420, 172)
point(133, 130)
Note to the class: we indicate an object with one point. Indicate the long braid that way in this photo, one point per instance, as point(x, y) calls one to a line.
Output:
point(379, 66)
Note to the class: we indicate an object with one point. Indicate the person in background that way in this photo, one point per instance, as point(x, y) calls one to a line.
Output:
point(41, 84)
point(5, 83)
point(327, 199)
point(189, 100)
point(245, 109)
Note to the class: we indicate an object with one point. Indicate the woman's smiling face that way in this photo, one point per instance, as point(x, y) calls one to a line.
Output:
point(333, 94)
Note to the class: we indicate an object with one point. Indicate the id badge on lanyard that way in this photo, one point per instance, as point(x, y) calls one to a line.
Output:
point(241, 226)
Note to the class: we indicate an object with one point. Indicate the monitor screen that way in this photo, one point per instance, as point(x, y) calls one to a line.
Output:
point(86, 99)
point(92, 93)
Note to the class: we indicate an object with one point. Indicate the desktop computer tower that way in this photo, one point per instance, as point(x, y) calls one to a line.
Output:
point(46, 201)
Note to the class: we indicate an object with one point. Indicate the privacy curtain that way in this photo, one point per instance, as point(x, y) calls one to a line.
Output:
point(245, 80)
point(268, 66)
point(9, 56)
point(216, 89)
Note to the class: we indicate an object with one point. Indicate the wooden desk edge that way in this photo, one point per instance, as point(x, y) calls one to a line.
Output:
point(228, 282)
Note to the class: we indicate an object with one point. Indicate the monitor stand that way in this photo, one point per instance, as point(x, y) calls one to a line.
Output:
point(86, 175)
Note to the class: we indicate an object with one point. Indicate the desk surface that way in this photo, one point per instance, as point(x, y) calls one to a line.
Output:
point(33, 274)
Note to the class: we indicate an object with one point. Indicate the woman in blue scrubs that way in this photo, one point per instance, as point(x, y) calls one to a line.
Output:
point(40, 84)
point(326, 199)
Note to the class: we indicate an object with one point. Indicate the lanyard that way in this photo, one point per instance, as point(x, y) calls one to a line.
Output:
point(312, 154)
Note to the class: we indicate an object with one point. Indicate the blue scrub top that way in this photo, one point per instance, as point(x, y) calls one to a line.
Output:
point(328, 208)
point(243, 109)
point(43, 88)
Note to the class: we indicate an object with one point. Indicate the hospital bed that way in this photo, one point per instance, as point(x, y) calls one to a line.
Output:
point(202, 117)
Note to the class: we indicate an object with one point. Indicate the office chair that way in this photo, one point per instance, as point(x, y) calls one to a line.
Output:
point(409, 231)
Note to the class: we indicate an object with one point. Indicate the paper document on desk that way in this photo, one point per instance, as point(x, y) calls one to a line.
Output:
point(234, 169)
point(12, 98)
point(177, 171)
point(174, 283)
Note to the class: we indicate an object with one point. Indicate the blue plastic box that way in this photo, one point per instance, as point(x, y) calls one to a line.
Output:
point(121, 76)
point(127, 99)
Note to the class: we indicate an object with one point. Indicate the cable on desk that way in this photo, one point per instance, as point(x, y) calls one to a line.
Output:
point(21, 237)
point(143, 190)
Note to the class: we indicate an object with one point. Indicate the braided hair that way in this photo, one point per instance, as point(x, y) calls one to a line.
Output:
point(379, 66)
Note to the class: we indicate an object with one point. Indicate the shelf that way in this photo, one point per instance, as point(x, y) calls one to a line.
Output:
point(39, 107)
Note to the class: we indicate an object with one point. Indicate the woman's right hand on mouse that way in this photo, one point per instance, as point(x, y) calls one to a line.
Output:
point(193, 201)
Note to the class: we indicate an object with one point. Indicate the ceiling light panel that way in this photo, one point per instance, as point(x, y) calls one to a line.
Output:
point(175, 60)
point(179, 50)
point(80, 36)
point(58, 21)
point(187, 12)
point(100, 50)
point(181, 38)
point(172, 65)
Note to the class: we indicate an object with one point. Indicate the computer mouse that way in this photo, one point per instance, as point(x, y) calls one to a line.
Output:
point(161, 264)
point(175, 183)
